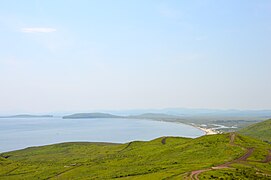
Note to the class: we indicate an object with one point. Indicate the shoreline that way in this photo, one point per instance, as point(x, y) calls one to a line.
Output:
point(207, 131)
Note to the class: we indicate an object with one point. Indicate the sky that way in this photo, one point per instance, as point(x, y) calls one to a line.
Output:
point(67, 55)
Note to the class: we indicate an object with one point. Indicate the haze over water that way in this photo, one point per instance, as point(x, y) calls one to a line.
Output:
point(18, 133)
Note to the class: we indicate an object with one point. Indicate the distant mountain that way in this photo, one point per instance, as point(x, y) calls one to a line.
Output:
point(155, 116)
point(200, 115)
point(261, 130)
point(90, 115)
point(27, 116)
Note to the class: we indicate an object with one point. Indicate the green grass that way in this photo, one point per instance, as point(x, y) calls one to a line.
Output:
point(240, 172)
point(260, 130)
point(245, 170)
point(135, 160)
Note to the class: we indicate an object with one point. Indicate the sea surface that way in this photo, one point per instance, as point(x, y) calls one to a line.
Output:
point(19, 133)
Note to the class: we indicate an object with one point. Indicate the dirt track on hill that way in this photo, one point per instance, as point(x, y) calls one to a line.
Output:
point(163, 141)
point(126, 147)
point(232, 138)
point(268, 158)
point(194, 174)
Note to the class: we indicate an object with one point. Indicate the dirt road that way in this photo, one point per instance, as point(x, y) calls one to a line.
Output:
point(194, 174)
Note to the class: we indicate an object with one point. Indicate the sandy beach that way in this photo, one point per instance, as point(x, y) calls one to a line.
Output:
point(206, 130)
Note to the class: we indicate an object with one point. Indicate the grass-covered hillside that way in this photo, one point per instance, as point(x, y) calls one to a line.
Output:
point(162, 158)
point(260, 130)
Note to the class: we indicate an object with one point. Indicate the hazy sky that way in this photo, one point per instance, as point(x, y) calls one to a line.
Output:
point(72, 55)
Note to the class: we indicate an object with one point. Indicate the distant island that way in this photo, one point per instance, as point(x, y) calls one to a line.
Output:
point(155, 116)
point(90, 115)
point(27, 116)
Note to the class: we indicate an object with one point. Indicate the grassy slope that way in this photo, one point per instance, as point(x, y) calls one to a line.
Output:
point(253, 168)
point(136, 160)
point(260, 130)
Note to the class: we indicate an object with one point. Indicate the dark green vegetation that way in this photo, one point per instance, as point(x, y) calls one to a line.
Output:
point(90, 115)
point(260, 130)
point(27, 116)
point(166, 157)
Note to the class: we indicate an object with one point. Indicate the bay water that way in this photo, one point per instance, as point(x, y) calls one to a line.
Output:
point(19, 133)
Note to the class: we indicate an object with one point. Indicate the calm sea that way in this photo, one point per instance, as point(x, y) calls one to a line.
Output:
point(18, 133)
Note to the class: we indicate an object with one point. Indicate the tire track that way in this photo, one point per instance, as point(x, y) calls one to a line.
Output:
point(128, 145)
point(163, 141)
point(58, 174)
point(194, 174)
point(7, 173)
point(267, 158)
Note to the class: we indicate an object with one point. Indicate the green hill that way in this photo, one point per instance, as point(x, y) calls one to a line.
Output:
point(163, 158)
point(260, 130)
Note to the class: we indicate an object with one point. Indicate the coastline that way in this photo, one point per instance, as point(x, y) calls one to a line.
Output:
point(208, 131)
point(203, 131)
